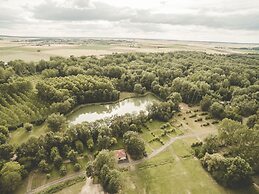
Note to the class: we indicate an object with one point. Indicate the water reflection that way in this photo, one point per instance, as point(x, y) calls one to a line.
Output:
point(92, 113)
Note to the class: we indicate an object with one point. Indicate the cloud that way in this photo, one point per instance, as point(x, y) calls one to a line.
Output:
point(228, 21)
point(9, 17)
point(101, 11)
point(177, 19)
point(82, 3)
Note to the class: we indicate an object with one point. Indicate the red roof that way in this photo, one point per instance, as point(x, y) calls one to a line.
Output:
point(120, 153)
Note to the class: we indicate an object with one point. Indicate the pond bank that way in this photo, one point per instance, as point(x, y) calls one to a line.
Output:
point(132, 104)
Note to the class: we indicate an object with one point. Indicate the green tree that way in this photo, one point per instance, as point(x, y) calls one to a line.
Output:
point(63, 170)
point(6, 151)
point(251, 121)
point(114, 181)
point(217, 110)
point(44, 166)
point(135, 146)
point(3, 138)
point(138, 88)
point(28, 126)
point(206, 102)
point(90, 144)
point(176, 98)
point(56, 121)
point(231, 172)
point(72, 156)
point(10, 176)
point(77, 167)
point(4, 130)
point(79, 146)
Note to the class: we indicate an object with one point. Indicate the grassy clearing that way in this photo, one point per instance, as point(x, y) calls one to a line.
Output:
point(40, 178)
point(76, 188)
point(124, 95)
point(63, 185)
point(20, 135)
point(153, 130)
point(23, 187)
point(174, 171)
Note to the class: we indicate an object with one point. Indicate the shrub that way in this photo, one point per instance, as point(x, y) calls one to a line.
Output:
point(63, 170)
point(77, 167)
point(28, 126)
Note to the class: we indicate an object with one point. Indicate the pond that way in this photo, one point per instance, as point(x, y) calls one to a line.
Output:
point(95, 112)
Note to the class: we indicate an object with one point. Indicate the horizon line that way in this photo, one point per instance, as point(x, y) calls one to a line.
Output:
point(123, 38)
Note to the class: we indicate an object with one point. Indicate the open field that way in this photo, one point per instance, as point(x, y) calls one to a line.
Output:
point(165, 174)
point(35, 49)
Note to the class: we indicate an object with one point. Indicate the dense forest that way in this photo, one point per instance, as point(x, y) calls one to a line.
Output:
point(226, 86)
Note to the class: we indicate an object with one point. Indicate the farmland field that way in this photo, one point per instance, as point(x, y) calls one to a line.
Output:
point(42, 48)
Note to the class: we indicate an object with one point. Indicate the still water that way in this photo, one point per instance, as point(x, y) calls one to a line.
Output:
point(95, 112)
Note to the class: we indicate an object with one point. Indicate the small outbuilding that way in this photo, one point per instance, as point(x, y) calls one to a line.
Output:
point(120, 155)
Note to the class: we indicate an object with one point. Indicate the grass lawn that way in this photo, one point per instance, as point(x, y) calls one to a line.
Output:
point(174, 171)
point(23, 187)
point(76, 188)
point(155, 144)
point(124, 95)
point(20, 135)
point(40, 178)
point(155, 128)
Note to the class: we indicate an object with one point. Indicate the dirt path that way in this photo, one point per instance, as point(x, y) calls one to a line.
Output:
point(69, 177)
point(90, 188)
point(29, 185)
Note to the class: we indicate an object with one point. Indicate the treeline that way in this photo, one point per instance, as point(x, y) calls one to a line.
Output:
point(225, 85)
point(66, 92)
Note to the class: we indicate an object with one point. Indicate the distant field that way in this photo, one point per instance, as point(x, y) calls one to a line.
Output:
point(35, 50)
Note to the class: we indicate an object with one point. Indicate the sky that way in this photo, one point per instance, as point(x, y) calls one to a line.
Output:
point(200, 20)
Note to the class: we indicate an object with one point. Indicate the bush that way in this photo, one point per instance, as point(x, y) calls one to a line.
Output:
point(79, 146)
point(63, 170)
point(192, 116)
point(28, 126)
point(77, 167)
point(43, 166)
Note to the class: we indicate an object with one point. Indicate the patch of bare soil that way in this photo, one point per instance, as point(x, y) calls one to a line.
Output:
point(90, 188)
